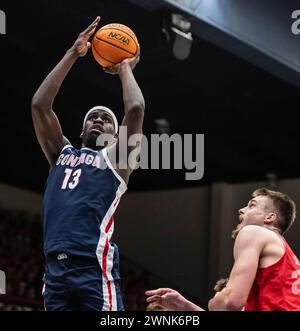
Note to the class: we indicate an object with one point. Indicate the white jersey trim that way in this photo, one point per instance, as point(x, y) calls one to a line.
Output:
point(65, 147)
point(123, 186)
point(89, 149)
point(108, 285)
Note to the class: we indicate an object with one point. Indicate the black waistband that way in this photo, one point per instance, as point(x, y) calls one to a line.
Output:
point(80, 260)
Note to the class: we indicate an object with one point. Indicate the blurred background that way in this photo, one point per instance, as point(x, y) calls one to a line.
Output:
point(225, 69)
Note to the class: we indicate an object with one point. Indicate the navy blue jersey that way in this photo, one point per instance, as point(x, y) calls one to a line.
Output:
point(82, 193)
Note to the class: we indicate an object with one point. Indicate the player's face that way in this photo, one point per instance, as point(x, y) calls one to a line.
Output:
point(256, 211)
point(98, 122)
point(259, 211)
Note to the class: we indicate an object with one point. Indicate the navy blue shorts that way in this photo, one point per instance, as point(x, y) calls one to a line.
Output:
point(78, 284)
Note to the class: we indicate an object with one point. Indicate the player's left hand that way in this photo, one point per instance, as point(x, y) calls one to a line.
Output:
point(82, 45)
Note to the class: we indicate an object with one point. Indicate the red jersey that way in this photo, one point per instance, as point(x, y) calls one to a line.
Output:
point(277, 287)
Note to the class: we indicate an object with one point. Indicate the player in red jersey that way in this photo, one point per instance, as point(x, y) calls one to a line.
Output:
point(266, 272)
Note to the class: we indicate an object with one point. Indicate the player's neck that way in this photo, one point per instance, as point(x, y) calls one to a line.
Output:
point(273, 229)
point(94, 148)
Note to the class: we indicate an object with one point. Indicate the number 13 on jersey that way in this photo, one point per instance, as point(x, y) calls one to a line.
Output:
point(71, 179)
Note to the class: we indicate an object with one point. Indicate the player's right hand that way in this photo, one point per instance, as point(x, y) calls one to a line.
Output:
point(82, 45)
point(131, 63)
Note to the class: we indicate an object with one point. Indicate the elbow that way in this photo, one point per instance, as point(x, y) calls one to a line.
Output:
point(227, 301)
point(139, 106)
point(35, 104)
point(38, 106)
point(137, 110)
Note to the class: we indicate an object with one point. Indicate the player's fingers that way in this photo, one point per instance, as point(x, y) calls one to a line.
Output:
point(159, 291)
point(113, 70)
point(92, 26)
point(154, 298)
point(92, 31)
point(108, 70)
point(151, 292)
point(138, 53)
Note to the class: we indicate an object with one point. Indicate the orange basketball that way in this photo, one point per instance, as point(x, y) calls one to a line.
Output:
point(114, 43)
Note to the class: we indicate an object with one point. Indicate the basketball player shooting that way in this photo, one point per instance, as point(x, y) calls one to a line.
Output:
point(81, 195)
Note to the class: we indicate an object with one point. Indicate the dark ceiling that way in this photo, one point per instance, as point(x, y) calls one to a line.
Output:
point(249, 117)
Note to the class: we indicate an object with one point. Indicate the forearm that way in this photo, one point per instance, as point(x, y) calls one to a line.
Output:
point(189, 306)
point(46, 93)
point(132, 94)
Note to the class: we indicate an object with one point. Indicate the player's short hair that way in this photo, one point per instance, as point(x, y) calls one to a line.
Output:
point(285, 207)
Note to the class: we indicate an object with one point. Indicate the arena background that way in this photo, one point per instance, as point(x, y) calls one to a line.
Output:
point(239, 86)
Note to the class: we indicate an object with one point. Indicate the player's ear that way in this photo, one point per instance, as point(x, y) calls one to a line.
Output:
point(81, 135)
point(271, 218)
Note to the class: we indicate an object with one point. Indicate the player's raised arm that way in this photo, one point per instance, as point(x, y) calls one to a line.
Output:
point(46, 124)
point(134, 106)
point(247, 250)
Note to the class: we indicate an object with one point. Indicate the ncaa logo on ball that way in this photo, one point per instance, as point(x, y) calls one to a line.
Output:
point(119, 37)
